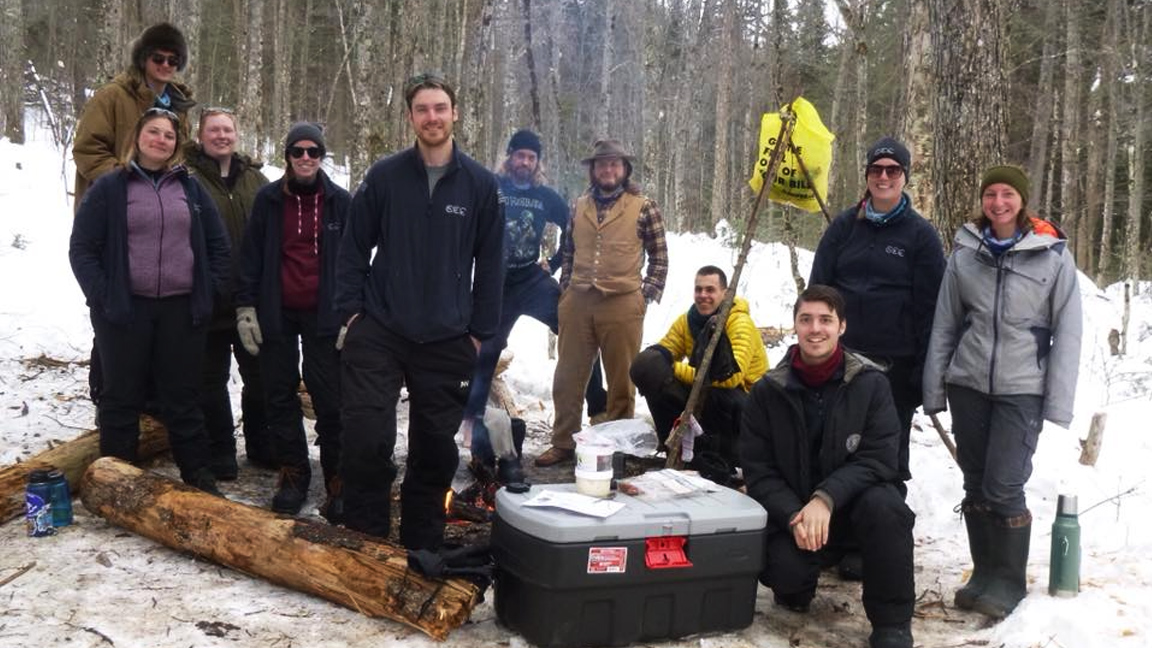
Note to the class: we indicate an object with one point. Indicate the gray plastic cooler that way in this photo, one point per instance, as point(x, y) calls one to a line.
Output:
point(654, 570)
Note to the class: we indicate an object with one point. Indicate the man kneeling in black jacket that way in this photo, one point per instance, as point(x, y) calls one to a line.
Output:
point(818, 445)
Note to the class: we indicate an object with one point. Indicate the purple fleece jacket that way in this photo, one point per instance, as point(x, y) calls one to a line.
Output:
point(160, 258)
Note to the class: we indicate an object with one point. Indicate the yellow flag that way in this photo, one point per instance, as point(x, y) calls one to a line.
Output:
point(812, 141)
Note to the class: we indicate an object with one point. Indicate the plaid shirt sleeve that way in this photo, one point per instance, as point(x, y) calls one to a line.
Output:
point(650, 230)
point(567, 252)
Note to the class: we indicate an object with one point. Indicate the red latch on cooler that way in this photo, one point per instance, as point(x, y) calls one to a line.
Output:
point(665, 552)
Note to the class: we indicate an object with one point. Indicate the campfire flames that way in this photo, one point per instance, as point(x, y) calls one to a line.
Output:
point(476, 502)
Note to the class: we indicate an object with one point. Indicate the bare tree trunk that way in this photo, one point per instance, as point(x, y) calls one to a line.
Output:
point(1070, 171)
point(1132, 252)
point(251, 95)
point(12, 57)
point(855, 15)
point(1111, 85)
point(1042, 115)
point(604, 107)
point(112, 48)
point(530, 61)
point(719, 208)
point(916, 116)
point(363, 67)
point(969, 55)
point(190, 21)
point(281, 71)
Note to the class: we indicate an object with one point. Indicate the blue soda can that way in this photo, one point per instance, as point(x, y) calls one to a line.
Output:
point(61, 499)
point(38, 505)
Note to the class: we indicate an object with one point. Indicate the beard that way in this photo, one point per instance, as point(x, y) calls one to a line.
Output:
point(522, 175)
point(435, 137)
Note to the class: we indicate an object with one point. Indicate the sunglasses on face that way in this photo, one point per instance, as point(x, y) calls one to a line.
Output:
point(890, 171)
point(171, 59)
point(314, 152)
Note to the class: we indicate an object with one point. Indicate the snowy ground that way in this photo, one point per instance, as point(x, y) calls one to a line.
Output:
point(97, 585)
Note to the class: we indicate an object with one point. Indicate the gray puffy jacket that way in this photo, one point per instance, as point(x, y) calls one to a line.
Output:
point(1007, 325)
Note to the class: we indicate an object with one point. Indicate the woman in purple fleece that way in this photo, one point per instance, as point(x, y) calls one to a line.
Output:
point(149, 251)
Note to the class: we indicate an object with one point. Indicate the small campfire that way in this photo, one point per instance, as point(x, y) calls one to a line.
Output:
point(476, 502)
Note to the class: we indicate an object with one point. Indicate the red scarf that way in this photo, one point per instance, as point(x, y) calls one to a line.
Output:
point(816, 375)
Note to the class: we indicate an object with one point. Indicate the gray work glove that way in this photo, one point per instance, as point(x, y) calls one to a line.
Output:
point(249, 329)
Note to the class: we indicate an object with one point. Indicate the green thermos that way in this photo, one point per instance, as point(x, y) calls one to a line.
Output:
point(1064, 562)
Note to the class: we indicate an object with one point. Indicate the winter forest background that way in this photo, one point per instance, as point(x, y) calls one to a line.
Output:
point(1058, 86)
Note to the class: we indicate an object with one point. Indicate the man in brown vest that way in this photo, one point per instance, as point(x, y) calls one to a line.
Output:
point(604, 294)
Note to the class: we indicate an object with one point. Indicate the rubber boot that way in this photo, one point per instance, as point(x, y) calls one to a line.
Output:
point(978, 520)
point(1009, 539)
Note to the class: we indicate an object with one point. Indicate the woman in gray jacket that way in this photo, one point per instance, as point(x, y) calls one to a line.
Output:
point(1005, 347)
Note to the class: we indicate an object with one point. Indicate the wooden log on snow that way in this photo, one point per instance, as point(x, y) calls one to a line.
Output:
point(1090, 447)
point(73, 457)
point(345, 567)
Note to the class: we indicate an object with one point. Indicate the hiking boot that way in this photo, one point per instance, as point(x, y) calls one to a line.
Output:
point(205, 481)
point(224, 467)
point(291, 491)
point(1008, 584)
point(554, 455)
point(891, 636)
point(978, 521)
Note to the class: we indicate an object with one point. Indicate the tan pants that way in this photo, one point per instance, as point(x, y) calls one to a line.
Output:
point(592, 322)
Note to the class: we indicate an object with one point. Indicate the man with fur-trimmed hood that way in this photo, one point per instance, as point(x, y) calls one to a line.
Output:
point(105, 128)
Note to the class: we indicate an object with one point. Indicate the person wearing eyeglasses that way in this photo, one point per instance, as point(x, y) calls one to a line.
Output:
point(886, 261)
point(232, 180)
point(104, 132)
point(415, 313)
point(150, 254)
point(285, 305)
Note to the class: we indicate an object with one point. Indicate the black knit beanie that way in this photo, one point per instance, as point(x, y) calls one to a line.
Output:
point(304, 131)
point(161, 36)
point(888, 147)
point(525, 139)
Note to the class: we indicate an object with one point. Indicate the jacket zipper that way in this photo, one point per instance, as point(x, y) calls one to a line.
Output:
point(160, 250)
point(996, 308)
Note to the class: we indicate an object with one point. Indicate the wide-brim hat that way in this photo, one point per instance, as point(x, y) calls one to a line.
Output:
point(606, 149)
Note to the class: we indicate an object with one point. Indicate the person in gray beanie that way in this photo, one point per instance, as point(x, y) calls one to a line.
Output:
point(285, 303)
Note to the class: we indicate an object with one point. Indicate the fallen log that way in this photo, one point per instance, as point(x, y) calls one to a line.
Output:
point(73, 458)
point(345, 567)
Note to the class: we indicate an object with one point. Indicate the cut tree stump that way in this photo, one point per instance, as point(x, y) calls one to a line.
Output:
point(1090, 447)
point(73, 458)
point(345, 567)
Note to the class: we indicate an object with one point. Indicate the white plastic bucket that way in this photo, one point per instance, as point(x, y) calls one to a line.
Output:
point(594, 469)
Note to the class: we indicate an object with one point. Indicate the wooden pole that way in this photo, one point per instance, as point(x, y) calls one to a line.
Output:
point(783, 139)
point(73, 458)
point(944, 437)
point(345, 567)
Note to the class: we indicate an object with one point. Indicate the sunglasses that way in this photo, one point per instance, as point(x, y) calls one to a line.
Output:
point(890, 171)
point(314, 152)
point(172, 60)
point(163, 112)
point(216, 110)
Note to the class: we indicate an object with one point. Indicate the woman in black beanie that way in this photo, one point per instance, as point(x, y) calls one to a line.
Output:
point(285, 303)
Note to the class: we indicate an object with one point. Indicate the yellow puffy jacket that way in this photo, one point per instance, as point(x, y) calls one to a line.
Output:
point(747, 347)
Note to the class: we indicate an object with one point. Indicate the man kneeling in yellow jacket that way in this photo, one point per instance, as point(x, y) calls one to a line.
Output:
point(664, 373)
